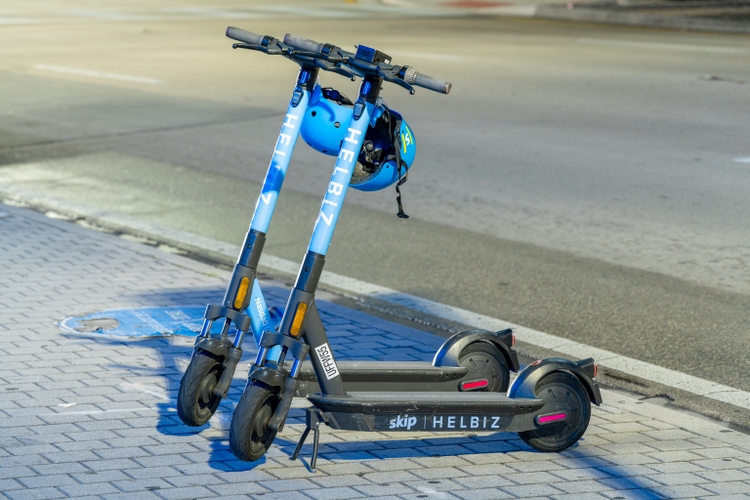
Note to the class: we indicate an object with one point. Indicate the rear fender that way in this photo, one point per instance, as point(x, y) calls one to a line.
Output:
point(525, 384)
point(448, 353)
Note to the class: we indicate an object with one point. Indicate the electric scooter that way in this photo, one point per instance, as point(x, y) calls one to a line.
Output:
point(474, 360)
point(548, 404)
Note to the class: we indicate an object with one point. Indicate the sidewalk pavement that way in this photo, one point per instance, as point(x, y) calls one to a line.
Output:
point(88, 416)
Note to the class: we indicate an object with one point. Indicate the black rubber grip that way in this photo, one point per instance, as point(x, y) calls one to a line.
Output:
point(303, 43)
point(428, 82)
point(421, 80)
point(244, 36)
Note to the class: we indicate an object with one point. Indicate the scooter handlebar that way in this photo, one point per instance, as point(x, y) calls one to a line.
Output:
point(425, 81)
point(410, 76)
point(244, 36)
point(304, 43)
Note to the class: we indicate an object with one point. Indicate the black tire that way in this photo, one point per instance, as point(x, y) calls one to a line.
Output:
point(249, 435)
point(196, 402)
point(561, 392)
point(486, 361)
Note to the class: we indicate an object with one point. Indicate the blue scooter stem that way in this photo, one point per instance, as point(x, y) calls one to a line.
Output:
point(340, 179)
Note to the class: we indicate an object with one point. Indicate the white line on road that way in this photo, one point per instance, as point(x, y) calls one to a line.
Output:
point(742, 160)
point(658, 374)
point(17, 20)
point(426, 55)
point(664, 46)
point(217, 13)
point(97, 74)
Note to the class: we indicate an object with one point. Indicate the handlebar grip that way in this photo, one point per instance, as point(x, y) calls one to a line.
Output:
point(244, 36)
point(303, 43)
point(421, 80)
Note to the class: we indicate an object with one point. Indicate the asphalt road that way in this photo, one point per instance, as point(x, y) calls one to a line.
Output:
point(590, 182)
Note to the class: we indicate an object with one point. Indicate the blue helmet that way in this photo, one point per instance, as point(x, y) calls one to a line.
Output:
point(388, 139)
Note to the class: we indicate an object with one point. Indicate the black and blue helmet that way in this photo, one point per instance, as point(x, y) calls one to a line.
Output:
point(387, 141)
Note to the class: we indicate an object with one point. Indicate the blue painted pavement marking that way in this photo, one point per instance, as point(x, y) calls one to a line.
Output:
point(138, 322)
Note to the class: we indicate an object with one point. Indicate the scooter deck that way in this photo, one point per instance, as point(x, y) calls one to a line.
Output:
point(419, 402)
point(399, 375)
point(418, 411)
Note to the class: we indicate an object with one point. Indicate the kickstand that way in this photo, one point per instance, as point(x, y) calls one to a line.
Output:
point(314, 418)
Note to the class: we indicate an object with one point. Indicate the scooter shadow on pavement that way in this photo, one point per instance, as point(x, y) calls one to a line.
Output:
point(591, 468)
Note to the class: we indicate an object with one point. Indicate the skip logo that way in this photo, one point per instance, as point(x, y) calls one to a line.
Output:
point(405, 422)
point(441, 422)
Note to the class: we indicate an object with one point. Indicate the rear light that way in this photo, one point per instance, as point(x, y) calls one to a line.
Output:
point(551, 418)
point(475, 384)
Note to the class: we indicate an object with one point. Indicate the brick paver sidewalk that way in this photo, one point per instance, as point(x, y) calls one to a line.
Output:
point(89, 417)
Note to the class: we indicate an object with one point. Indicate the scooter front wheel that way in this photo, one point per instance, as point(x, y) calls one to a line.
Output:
point(486, 363)
point(562, 393)
point(249, 435)
point(196, 401)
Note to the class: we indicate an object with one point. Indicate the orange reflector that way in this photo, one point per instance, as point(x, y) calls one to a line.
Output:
point(299, 317)
point(239, 299)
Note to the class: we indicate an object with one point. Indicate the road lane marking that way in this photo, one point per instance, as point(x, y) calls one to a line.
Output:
point(17, 20)
point(97, 74)
point(110, 16)
point(664, 46)
point(742, 160)
point(606, 359)
point(217, 13)
point(426, 55)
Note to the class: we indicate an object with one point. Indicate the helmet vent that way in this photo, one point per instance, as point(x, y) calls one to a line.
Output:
point(313, 113)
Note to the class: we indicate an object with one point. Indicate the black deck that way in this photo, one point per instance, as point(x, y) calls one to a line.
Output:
point(467, 403)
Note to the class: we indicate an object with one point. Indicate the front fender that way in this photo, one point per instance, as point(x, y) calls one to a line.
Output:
point(219, 347)
point(448, 353)
point(525, 384)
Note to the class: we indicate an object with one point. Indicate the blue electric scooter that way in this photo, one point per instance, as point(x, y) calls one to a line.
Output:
point(548, 404)
point(476, 360)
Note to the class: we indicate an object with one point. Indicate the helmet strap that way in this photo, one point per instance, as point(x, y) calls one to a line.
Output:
point(403, 173)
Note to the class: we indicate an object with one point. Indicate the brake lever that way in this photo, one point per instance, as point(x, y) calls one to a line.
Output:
point(260, 48)
point(395, 79)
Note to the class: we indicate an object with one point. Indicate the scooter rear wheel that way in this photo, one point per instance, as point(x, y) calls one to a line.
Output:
point(485, 361)
point(561, 392)
point(249, 435)
point(196, 401)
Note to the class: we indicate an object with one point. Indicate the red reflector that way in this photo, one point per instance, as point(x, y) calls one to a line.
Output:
point(548, 419)
point(512, 339)
point(474, 384)
point(596, 369)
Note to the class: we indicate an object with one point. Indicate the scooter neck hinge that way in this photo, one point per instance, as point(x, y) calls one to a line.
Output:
point(369, 90)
